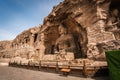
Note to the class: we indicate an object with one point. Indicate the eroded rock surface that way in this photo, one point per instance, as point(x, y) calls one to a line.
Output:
point(5, 47)
point(90, 28)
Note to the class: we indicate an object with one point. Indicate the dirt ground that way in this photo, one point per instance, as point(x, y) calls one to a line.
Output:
point(12, 73)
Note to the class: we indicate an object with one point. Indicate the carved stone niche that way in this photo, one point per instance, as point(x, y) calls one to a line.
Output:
point(80, 36)
point(50, 35)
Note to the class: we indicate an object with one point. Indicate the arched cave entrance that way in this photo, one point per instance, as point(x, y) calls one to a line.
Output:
point(80, 36)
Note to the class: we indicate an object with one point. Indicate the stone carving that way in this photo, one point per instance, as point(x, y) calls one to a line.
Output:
point(91, 27)
point(65, 43)
point(95, 52)
point(92, 51)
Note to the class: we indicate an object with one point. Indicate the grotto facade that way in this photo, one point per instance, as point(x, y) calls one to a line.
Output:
point(75, 29)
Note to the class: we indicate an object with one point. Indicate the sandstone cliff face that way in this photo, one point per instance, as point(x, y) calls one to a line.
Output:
point(23, 44)
point(91, 22)
point(74, 15)
point(5, 49)
point(74, 29)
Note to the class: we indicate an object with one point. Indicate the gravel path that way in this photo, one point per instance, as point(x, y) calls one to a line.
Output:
point(12, 73)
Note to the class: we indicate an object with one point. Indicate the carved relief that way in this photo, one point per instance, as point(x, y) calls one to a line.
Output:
point(65, 43)
point(90, 27)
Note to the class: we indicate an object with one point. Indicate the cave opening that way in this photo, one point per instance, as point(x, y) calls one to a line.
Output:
point(115, 5)
point(35, 38)
point(80, 37)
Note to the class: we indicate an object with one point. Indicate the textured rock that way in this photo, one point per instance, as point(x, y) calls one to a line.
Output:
point(5, 51)
point(90, 27)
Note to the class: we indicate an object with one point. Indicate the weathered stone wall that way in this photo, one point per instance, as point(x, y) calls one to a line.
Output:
point(104, 33)
point(23, 45)
point(74, 15)
point(90, 22)
point(5, 49)
point(73, 29)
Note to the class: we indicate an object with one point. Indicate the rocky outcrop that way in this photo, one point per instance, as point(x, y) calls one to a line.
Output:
point(90, 22)
point(5, 47)
point(74, 29)
point(23, 45)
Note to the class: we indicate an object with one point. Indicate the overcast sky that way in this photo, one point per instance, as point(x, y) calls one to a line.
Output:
point(19, 15)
